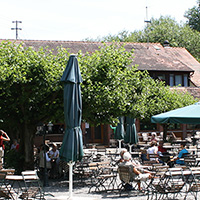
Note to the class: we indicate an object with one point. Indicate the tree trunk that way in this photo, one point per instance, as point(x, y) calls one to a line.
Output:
point(27, 146)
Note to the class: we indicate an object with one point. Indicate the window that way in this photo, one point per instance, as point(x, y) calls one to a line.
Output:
point(178, 80)
point(161, 77)
point(185, 80)
point(171, 80)
point(147, 125)
point(174, 127)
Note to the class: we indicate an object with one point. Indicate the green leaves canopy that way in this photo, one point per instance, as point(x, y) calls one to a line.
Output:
point(31, 92)
point(159, 30)
point(193, 16)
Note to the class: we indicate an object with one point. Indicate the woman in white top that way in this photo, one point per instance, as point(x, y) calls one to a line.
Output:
point(153, 150)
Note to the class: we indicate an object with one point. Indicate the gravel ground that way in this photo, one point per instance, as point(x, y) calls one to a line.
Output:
point(60, 190)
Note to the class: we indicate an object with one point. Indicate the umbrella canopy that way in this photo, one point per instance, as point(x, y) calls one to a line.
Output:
point(186, 115)
point(72, 146)
point(131, 136)
point(119, 132)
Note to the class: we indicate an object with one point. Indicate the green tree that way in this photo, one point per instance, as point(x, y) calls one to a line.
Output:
point(30, 91)
point(193, 16)
point(159, 30)
point(114, 87)
point(104, 89)
point(148, 97)
point(179, 35)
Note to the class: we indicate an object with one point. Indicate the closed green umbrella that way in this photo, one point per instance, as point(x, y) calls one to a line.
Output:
point(131, 136)
point(72, 145)
point(119, 133)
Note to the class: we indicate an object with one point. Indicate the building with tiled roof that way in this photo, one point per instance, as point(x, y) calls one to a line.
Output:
point(174, 65)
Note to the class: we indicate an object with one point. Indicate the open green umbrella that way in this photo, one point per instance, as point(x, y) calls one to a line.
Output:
point(72, 145)
point(119, 133)
point(131, 136)
point(185, 115)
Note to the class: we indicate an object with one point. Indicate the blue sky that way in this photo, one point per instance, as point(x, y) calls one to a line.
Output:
point(75, 20)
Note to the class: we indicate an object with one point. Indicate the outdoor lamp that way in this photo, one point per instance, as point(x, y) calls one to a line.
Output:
point(50, 127)
point(39, 129)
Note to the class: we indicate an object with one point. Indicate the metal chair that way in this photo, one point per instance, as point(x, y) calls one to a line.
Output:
point(127, 176)
point(6, 190)
point(169, 185)
point(33, 187)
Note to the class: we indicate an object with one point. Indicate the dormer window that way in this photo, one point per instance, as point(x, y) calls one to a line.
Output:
point(178, 80)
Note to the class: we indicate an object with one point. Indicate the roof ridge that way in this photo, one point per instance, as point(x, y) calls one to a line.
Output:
point(95, 42)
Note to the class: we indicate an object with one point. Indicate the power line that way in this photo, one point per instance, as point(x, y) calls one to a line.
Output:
point(16, 28)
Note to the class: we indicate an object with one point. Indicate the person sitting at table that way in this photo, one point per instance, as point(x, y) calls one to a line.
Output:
point(163, 152)
point(181, 154)
point(144, 155)
point(161, 149)
point(139, 174)
point(15, 145)
point(121, 159)
point(153, 137)
point(153, 150)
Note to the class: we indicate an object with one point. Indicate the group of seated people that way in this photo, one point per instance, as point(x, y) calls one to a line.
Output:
point(141, 174)
point(162, 152)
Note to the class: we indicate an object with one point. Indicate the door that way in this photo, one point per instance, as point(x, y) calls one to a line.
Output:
point(95, 134)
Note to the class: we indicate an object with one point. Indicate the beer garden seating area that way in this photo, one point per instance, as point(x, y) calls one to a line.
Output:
point(99, 171)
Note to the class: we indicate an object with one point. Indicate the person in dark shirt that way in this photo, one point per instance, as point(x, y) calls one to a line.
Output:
point(161, 148)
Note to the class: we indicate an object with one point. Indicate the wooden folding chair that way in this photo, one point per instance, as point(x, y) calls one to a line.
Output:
point(127, 176)
point(194, 182)
point(33, 187)
point(6, 190)
point(190, 161)
point(103, 177)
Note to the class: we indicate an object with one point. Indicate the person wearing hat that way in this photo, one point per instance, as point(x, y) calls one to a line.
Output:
point(139, 174)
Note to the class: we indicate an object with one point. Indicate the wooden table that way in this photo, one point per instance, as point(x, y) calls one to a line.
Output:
point(175, 179)
point(8, 171)
point(16, 182)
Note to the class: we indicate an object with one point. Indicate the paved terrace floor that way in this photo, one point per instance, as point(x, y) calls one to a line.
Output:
point(60, 191)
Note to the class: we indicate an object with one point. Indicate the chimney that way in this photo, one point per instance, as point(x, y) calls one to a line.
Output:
point(166, 43)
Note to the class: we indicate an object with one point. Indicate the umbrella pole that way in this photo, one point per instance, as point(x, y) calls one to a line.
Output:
point(70, 179)
point(130, 148)
point(164, 132)
point(120, 145)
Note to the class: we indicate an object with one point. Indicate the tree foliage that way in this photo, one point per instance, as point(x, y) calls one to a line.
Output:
point(31, 92)
point(114, 87)
point(159, 30)
point(193, 16)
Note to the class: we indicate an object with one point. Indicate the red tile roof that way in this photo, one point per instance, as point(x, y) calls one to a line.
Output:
point(151, 57)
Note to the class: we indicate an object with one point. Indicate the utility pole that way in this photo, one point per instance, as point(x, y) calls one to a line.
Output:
point(16, 28)
point(148, 22)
